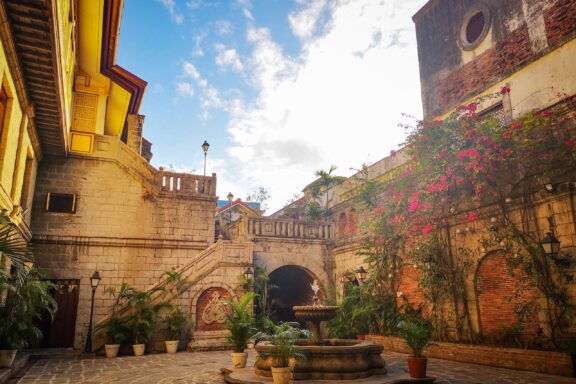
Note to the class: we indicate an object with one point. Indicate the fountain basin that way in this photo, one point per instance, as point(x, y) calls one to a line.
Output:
point(331, 359)
point(315, 312)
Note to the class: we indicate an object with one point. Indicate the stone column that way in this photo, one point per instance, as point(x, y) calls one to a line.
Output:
point(135, 123)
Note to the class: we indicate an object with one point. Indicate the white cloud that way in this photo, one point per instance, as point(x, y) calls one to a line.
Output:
point(228, 58)
point(304, 22)
point(198, 40)
point(185, 89)
point(175, 15)
point(338, 102)
point(209, 95)
point(224, 27)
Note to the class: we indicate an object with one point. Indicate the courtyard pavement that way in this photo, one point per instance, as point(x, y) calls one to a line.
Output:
point(204, 368)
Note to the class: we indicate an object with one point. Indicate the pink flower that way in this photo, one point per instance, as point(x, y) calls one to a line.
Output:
point(506, 134)
point(462, 154)
point(516, 125)
point(427, 229)
point(392, 153)
point(505, 90)
point(471, 216)
point(569, 143)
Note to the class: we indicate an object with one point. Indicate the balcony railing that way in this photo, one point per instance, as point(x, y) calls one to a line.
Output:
point(264, 227)
point(185, 183)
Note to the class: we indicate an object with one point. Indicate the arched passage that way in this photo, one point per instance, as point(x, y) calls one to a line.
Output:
point(291, 287)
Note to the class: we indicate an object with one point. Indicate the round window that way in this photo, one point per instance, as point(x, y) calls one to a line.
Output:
point(474, 28)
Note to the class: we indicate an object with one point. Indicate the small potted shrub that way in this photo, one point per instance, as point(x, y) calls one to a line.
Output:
point(240, 323)
point(177, 323)
point(417, 333)
point(27, 299)
point(117, 332)
point(142, 318)
point(283, 338)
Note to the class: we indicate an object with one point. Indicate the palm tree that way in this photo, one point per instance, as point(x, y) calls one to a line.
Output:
point(324, 182)
point(16, 249)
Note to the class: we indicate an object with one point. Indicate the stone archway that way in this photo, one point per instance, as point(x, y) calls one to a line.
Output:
point(291, 287)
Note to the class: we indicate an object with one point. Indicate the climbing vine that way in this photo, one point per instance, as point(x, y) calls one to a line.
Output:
point(479, 171)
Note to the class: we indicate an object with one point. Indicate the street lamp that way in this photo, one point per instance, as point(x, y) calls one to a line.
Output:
point(94, 281)
point(230, 197)
point(550, 244)
point(205, 147)
point(361, 274)
point(248, 274)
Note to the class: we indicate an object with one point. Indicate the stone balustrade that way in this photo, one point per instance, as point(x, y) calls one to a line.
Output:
point(266, 227)
point(185, 183)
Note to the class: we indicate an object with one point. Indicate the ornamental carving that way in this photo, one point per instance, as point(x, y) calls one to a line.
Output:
point(215, 310)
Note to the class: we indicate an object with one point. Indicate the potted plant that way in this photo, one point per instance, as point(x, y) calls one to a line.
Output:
point(142, 318)
point(177, 323)
point(417, 333)
point(26, 301)
point(283, 338)
point(117, 332)
point(240, 323)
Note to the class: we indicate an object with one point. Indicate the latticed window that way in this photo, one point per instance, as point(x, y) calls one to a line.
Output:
point(496, 111)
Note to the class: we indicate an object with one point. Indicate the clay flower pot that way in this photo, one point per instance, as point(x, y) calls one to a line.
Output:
point(281, 375)
point(7, 357)
point(239, 359)
point(172, 346)
point(417, 367)
point(112, 349)
point(139, 349)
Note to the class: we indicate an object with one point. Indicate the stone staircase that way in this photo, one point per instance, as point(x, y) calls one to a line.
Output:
point(211, 261)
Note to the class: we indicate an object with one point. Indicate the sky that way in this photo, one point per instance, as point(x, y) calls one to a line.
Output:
point(279, 88)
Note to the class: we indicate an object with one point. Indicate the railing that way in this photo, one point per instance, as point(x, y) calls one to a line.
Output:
point(185, 183)
point(265, 227)
point(158, 180)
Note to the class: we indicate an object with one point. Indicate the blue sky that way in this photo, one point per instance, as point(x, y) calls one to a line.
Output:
point(279, 88)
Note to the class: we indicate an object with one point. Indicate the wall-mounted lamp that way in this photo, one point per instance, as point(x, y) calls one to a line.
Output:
point(248, 274)
point(361, 274)
point(550, 188)
point(551, 246)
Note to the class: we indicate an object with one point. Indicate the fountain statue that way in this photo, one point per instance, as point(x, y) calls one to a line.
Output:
point(326, 359)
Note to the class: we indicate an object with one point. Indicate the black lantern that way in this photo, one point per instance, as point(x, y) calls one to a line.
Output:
point(94, 282)
point(550, 244)
point(550, 188)
point(205, 146)
point(248, 274)
point(230, 197)
point(361, 274)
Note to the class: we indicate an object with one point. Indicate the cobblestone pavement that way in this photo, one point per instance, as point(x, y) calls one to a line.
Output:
point(204, 367)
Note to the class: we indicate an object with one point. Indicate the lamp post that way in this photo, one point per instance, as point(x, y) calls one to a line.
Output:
point(248, 274)
point(230, 197)
point(205, 147)
point(361, 274)
point(94, 281)
point(550, 244)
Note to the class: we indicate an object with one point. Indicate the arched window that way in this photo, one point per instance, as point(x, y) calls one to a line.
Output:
point(352, 222)
point(342, 225)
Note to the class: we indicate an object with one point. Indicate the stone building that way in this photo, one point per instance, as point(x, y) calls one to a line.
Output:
point(75, 175)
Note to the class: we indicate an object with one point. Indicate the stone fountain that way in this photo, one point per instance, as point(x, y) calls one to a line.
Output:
point(326, 359)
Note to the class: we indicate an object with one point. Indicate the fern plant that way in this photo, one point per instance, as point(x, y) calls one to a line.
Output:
point(417, 333)
point(240, 322)
point(283, 339)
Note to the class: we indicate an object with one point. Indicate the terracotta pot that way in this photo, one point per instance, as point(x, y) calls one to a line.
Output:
point(417, 367)
point(7, 357)
point(239, 359)
point(172, 346)
point(112, 349)
point(139, 349)
point(281, 375)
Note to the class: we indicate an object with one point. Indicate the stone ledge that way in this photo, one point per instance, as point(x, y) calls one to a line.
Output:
point(554, 363)
point(19, 362)
point(247, 376)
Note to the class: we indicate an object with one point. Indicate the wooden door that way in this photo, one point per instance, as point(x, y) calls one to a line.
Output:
point(60, 332)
